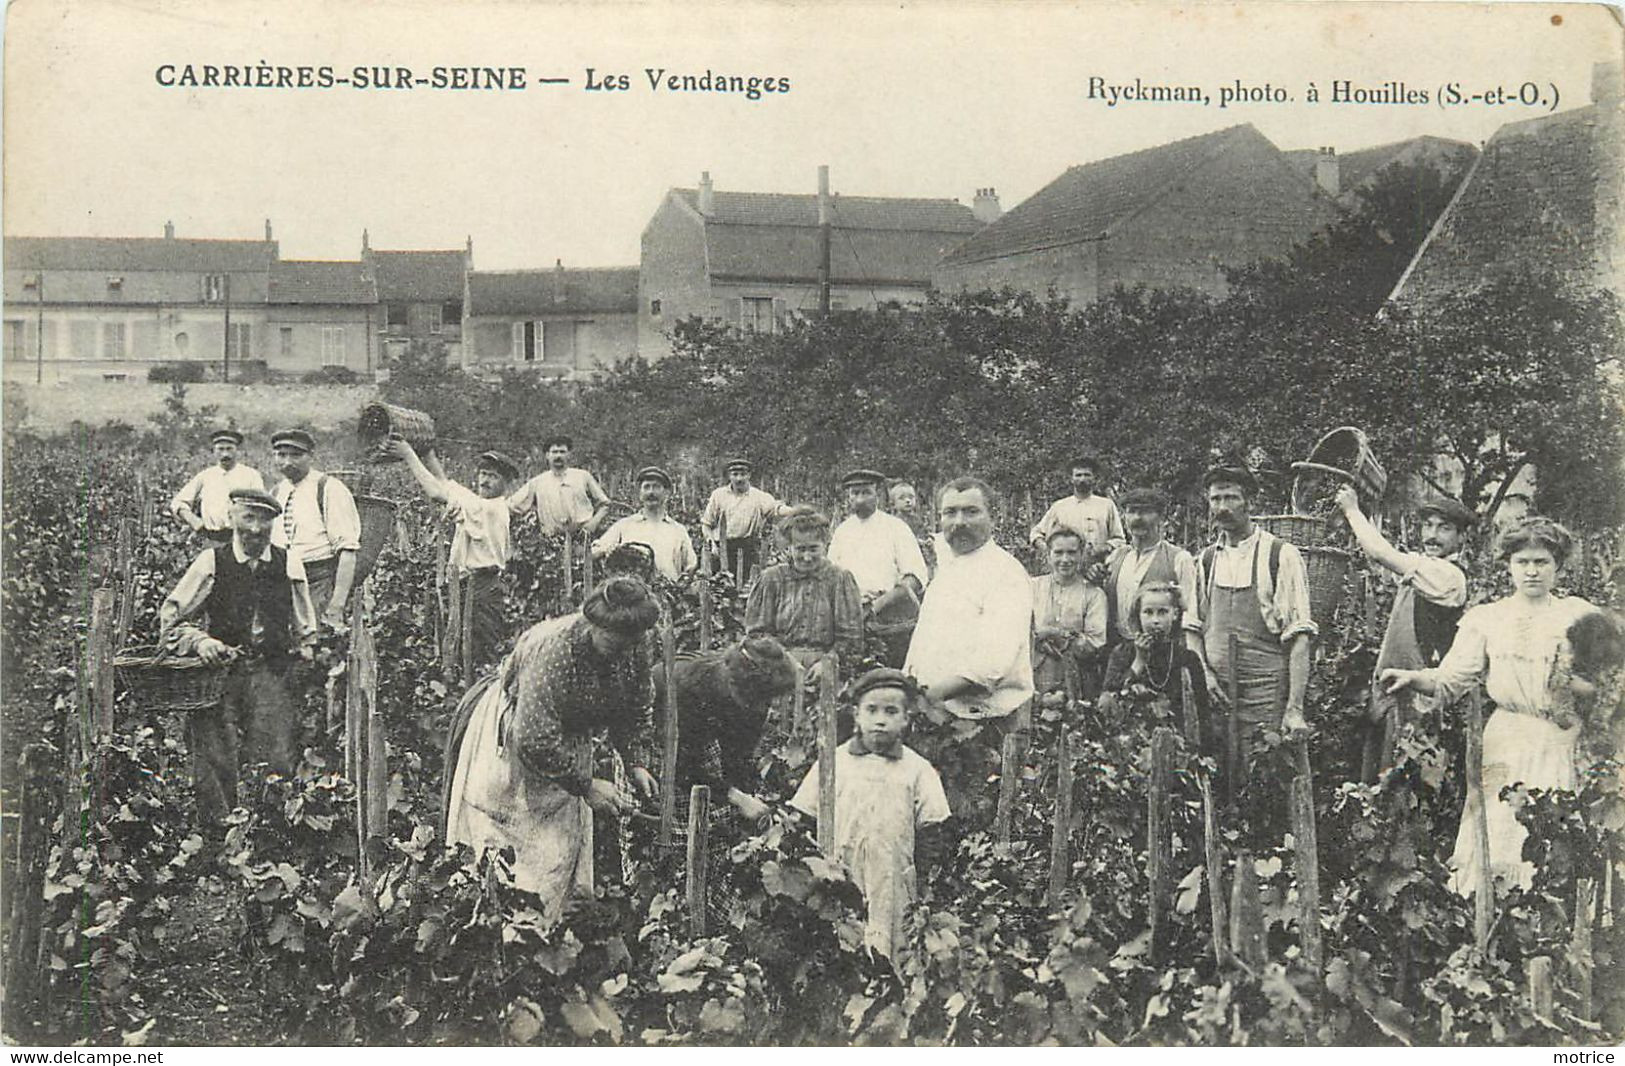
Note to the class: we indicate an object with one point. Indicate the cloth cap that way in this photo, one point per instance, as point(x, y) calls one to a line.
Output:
point(293, 438)
point(230, 436)
point(1143, 499)
point(256, 498)
point(498, 462)
point(1451, 510)
point(739, 464)
point(882, 677)
point(654, 473)
point(862, 477)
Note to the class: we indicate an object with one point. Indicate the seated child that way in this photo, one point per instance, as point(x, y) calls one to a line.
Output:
point(885, 791)
point(1145, 672)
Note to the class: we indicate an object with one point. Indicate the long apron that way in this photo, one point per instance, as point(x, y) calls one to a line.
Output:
point(1260, 664)
point(495, 803)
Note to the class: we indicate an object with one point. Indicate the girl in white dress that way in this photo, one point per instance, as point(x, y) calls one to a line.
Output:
point(1518, 647)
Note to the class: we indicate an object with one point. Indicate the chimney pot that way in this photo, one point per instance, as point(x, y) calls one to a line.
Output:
point(366, 245)
point(985, 206)
point(169, 231)
point(268, 229)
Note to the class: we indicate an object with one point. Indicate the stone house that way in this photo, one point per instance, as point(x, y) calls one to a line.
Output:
point(561, 322)
point(421, 293)
point(322, 314)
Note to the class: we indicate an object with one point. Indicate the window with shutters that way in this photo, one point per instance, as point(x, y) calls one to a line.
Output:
point(756, 314)
point(432, 318)
point(239, 342)
point(527, 341)
point(214, 288)
point(16, 342)
point(332, 345)
point(113, 340)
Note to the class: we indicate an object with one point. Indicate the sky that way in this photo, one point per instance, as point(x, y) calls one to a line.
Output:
point(931, 99)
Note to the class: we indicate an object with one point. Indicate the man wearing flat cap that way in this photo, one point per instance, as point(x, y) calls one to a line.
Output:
point(480, 548)
point(1428, 603)
point(737, 514)
point(1148, 558)
point(319, 524)
point(204, 503)
point(244, 604)
point(566, 498)
point(653, 527)
point(1253, 585)
point(880, 551)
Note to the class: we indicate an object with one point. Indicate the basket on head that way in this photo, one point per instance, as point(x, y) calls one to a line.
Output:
point(377, 528)
point(378, 420)
point(1341, 457)
point(161, 682)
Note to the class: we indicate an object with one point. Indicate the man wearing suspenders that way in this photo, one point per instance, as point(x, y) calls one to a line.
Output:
point(319, 523)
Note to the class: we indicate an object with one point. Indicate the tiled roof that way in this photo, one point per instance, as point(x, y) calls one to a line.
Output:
point(873, 239)
point(1531, 203)
point(600, 290)
point(1356, 168)
point(130, 254)
point(1088, 200)
point(310, 281)
point(426, 276)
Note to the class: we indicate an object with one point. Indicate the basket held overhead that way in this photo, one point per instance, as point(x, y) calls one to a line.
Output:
point(1341, 457)
point(378, 420)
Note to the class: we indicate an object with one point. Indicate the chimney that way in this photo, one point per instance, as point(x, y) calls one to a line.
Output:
point(366, 245)
point(169, 231)
point(708, 204)
point(468, 252)
point(558, 281)
point(268, 229)
point(1326, 175)
point(986, 206)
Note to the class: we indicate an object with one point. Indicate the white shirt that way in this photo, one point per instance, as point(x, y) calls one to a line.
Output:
point(193, 589)
point(1095, 518)
point(1131, 575)
point(560, 499)
point(879, 551)
point(976, 623)
point(481, 539)
point(208, 494)
point(314, 538)
point(666, 537)
point(748, 512)
point(1285, 603)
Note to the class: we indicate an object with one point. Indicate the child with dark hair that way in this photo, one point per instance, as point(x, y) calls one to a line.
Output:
point(887, 797)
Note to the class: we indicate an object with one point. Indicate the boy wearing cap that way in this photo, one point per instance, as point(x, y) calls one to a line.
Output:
point(1428, 603)
point(246, 603)
point(319, 524)
point(653, 527)
point(886, 795)
point(566, 498)
point(1096, 517)
point(743, 512)
point(480, 548)
point(204, 503)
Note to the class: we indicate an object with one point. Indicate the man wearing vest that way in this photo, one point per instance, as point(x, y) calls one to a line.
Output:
point(244, 604)
point(1147, 559)
point(1428, 603)
point(319, 524)
point(1252, 585)
point(204, 503)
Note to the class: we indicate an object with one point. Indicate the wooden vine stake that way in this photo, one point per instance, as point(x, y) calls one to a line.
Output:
point(826, 754)
point(1218, 918)
point(1232, 735)
point(1010, 759)
point(722, 541)
point(465, 639)
point(586, 565)
point(699, 826)
point(567, 595)
point(1540, 986)
point(1159, 846)
point(126, 583)
point(27, 890)
point(449, 654)
point(1306, 849)
point(1581, 963)
point(705, 594)
point(102, 623)
point(1484, 895)
point(1060, 851)
point(668, 755)
point(1246, 915)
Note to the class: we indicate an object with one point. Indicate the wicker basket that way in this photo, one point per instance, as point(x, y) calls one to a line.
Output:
point(1343, 456)
point(1305, 531)
point(1327, 568)
point(379, 420)
point(169, 683)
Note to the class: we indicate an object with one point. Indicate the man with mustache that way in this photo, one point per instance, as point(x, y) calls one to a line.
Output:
point(741, 512)
point(245, 604)
point(972, 647)
point(1254, 585)
point(653, 527)
point(1148, 559)
point(204, 503)
point(320, 524)
point(1096, 517)
point(566, 498)
point(880, 551)
point(1428, 603)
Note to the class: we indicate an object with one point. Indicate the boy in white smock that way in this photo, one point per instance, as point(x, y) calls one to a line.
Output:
point(884, 792)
